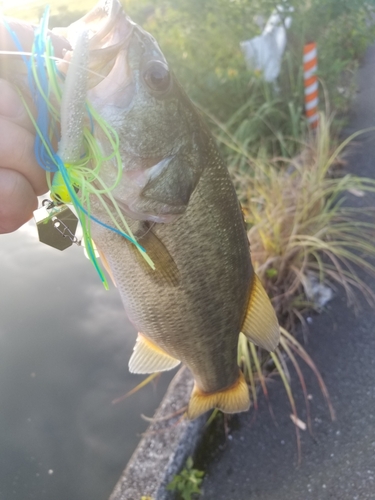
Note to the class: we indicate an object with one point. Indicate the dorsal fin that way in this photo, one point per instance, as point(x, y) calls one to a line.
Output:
point(149, 358)
point(260, 324)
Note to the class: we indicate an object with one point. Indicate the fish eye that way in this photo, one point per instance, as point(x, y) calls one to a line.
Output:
point(157, 77)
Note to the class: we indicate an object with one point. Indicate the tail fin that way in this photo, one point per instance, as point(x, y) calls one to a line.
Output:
point(234, 399)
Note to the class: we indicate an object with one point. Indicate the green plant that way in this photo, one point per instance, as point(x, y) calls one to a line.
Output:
point(217, 79)
point(301, 226)
point(258, 366)
point(188, 482)
point(269, 123)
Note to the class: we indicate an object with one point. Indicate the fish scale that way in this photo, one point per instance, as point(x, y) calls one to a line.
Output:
point(207, 242)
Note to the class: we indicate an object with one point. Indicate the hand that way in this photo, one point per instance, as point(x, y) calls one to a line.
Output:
point(21, 178)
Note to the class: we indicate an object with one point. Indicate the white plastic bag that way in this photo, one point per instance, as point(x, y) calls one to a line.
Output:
point(264, 53)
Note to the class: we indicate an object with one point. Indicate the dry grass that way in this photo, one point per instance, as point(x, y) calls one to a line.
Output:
point(258, 366)
point(301, 226)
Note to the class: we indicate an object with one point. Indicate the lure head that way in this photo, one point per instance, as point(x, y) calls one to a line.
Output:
point(163, 144)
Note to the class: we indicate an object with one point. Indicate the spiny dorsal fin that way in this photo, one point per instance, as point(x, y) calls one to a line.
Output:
point(166, 271)
point(149, 358)
point(261, 325)
point(234, 399)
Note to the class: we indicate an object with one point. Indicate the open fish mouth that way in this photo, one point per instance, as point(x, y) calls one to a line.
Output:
point(109, 31)
point(107, 25)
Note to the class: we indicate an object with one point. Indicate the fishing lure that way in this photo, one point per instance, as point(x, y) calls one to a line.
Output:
point(74, 171)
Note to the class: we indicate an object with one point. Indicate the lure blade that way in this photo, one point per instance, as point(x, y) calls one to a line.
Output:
point(56, 226)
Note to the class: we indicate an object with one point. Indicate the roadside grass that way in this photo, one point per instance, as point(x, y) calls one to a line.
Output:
point(302, 228)
point(301, 224)
point(269, 123)
point(258, 366)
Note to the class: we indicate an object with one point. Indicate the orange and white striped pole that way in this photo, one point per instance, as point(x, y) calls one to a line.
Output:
point(310, 66)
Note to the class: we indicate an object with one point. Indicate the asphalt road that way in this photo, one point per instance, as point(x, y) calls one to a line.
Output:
point(259, 459)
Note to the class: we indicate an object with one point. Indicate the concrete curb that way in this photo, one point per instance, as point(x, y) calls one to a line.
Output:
point(164, 448)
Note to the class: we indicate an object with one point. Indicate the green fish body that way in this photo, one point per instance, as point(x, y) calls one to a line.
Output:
point(178, 199)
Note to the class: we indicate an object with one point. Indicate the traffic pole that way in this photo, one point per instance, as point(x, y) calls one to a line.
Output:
point(310, 66)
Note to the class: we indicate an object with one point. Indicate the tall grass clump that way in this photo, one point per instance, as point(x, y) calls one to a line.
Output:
point(302, 227)
point(270, 122)
point(303, 231)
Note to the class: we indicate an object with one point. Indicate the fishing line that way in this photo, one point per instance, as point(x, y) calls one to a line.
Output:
point(71, 183)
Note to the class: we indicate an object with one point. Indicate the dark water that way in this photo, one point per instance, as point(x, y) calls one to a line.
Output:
point(64, 348)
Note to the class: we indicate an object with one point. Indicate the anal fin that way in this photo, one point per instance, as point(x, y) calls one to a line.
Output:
point(233, 399)
point(149, 358)
point(260, 324)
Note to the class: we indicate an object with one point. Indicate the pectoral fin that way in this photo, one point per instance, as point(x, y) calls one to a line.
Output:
point(166, 271)
point(106, 266)
point(261, 325)
point(149, 358)
point(233, 399)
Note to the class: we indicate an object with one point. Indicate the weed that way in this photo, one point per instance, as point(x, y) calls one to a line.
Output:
point(269, 123)
point(301, 227)
point(257, 366)
point(188, 482)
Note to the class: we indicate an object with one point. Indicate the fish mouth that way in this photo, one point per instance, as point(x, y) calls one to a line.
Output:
point(107, 24)
point(109, 31)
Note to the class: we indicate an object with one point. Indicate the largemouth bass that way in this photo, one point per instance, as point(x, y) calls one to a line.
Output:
point(178, 198)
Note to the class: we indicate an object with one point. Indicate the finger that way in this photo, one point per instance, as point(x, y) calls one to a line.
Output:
point(25, 34)
point(12, 107)
point(17, 153)
point(17, 200)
